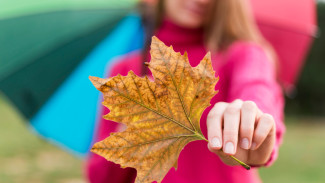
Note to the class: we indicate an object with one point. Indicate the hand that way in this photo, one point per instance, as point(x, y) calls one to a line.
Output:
point(240, 129)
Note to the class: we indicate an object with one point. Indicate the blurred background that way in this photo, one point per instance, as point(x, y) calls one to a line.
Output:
point(54, 45)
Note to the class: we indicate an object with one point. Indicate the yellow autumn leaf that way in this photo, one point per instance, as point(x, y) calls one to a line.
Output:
point(162, 116)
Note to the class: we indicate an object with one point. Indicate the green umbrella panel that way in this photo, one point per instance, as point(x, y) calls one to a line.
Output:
point(41, 42)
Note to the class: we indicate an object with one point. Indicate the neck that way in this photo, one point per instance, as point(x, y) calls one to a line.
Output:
point(178, 36)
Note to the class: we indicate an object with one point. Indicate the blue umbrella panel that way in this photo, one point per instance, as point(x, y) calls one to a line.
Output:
point(68, 117)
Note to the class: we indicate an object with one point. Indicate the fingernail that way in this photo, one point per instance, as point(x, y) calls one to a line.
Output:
point(253, 146)
point(244, 143)
point(215, 142)
point(229, 148)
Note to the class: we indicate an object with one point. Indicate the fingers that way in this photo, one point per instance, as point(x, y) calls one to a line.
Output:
point(248, 118)
point(214, 125)
point(231, 126)
point(225, 122)
point(265, 125)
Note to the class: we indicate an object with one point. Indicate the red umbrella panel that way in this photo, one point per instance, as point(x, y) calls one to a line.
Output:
point(289, 26)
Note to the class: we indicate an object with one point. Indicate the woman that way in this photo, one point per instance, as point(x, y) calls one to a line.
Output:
point(245, 119)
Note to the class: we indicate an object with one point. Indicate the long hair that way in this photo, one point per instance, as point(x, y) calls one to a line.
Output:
point(231, 21)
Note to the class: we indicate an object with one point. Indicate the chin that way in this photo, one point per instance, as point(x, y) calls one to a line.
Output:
point(191, 23)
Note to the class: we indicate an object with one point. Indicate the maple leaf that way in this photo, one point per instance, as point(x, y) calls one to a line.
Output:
point(162, 117)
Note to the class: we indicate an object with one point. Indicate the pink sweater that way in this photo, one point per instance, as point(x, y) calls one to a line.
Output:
point(245, 73)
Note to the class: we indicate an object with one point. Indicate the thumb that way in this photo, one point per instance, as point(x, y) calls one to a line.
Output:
point(224, 157)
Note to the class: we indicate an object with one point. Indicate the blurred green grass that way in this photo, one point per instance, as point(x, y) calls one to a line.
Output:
point(24, 157)
point(302, 154)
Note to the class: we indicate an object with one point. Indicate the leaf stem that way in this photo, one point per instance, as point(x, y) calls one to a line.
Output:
point(247, 167)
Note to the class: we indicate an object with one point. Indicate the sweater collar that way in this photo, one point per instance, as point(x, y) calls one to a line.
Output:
point(179, 37)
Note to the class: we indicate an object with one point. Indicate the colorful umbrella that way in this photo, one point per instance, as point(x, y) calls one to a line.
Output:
point(289, 26)
point(69, 116)
point(44, 66)
point(49, 38)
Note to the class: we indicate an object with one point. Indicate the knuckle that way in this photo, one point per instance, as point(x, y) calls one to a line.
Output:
point(213, 115)
point(230, 133)
point(268, 119)
point(237, 100)
point(258, 136)
point(249, 106)
point(219, 104)
point(232, 110)
point(246, 131)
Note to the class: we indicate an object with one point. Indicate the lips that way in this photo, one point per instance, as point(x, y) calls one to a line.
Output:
point(195, 9)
